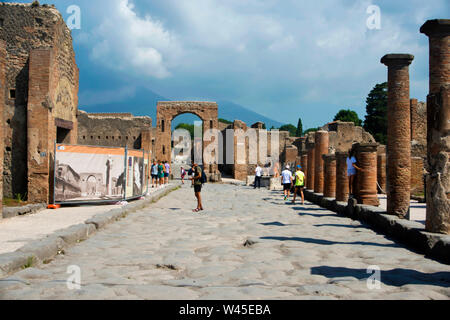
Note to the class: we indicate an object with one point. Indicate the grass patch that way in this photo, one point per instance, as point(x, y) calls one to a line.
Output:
point(29, 263)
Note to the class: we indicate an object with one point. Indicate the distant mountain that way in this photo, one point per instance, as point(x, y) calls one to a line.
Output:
point(144, 102)
point(231, 111)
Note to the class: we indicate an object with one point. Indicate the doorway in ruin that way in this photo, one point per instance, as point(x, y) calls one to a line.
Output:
point(62, 135)
point(166, 112)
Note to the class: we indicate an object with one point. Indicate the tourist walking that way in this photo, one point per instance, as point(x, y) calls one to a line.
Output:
point(160, 173)
point(351, 171)
point(197, 182)
point(299, 184)
point(166, 172)
point(258, 175)
point(154, 173)
point(286, 181)
point(182, 174)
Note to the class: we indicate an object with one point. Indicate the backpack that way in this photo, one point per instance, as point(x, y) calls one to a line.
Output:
point(203, 179)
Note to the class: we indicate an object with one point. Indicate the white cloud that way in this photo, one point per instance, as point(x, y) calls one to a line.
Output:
point(262, 52)
point(124, 41)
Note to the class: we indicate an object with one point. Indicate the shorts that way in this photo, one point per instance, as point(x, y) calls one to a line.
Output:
point(154, 176)
point(351, 173)
point(166, 175)
point(197, 188)
point(300, 187)
point(286, 186)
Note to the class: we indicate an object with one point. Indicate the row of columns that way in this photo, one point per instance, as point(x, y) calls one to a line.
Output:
point(327, 173)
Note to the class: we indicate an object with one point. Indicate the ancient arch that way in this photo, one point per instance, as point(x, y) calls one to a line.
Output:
point(167, 110)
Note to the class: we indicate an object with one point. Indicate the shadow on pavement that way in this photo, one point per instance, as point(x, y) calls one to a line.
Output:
point(276, 223)
point(395, 277)
point(310, 209)
point(328, 242)
point(340, 226)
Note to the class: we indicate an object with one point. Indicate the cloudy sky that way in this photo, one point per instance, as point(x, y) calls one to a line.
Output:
point(284, 59)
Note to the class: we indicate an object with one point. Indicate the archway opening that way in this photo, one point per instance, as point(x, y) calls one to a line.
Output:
point(186, 148)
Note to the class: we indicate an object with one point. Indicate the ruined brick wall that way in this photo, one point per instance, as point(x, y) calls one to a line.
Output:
point(418, 128)
point(25, 29)
point(114, 130)
point(342, 135)
point(417, 176)
point(2, 108)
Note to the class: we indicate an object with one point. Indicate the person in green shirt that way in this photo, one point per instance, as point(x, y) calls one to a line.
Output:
point(299, 184)
point(160, 173)
point(197, 181)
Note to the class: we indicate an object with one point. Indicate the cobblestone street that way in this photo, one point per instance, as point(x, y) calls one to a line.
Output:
point(247, 244)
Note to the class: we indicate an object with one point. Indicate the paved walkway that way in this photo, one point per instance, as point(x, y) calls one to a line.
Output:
point(17, 231)
point(417, 211)
point(248, 244)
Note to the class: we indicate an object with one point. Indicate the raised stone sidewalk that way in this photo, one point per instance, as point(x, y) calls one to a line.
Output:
point(37, 238)
point(410, 233)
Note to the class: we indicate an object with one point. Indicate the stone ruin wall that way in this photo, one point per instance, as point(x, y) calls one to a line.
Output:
point(114, 130)
point(26, 28)
point(418, 146)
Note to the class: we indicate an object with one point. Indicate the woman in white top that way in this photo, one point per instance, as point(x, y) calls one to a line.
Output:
point(351, 170)
point(286, 181)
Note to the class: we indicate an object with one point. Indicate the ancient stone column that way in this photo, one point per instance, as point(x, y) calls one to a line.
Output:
point(304, 162)
point(2, 110)
point(398, 134)
point(311, 164)
point(366, 180)
point(329, 186)
point(321, 142)
point(342, 189)
point(381, 171)
point(438, 114)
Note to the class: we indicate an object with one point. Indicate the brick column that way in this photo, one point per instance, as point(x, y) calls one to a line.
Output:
point(414, 116)
point(304, 162)
point(438, 114)
point(321, 142)
point(2, 110)
point(381, 171)
point(342, 189)
point(329, 188)
point(311, 164)
point(366, 180)
point(40, 135)
point(399, 134)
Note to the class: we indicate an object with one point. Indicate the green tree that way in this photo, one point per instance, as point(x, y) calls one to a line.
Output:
point(225, 121)
point(299, 131)
point(289, 127)
point(188, 127)
point(376, 108)
point(310, 130)
point(348, 116)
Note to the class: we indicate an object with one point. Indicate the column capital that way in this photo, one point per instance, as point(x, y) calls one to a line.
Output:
point(402, 59)
point(341, 154)
point(329, 157)
point(366, 147)
point(436, 27)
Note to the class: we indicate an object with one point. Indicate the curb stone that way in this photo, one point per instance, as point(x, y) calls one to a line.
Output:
point(47, 248)
point(410, 233)
point(10, 212)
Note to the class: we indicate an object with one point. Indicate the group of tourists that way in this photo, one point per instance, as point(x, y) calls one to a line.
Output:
point(160, 172)
point(296, 182)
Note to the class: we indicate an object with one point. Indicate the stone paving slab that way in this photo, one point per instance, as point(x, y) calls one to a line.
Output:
point(17, 231)
point(44, 249)
point(247, 244)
